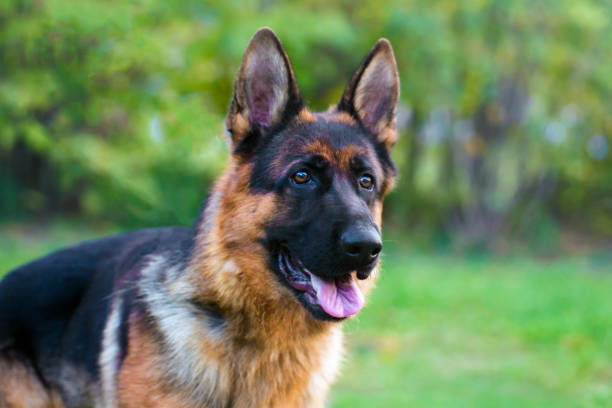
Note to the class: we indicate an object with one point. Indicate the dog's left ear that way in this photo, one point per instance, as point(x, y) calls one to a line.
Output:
point(372, 94)
point(265, 92)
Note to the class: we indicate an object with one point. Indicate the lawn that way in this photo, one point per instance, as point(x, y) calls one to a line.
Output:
point(444, 331)
point(448, 331)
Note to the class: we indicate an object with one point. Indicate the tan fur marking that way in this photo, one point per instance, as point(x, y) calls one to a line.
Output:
point(338, 158)
point(388, 135)
point(332, 115)
point(305, 116)
point(237, 125)
point(20, 388)
point(140, 384)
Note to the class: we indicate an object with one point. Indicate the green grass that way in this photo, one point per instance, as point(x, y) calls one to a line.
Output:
point(446, 331)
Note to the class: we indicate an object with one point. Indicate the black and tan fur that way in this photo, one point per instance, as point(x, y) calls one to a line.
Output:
point(201, 316)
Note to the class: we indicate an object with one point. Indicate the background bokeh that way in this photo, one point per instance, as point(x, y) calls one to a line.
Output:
point(497, 280)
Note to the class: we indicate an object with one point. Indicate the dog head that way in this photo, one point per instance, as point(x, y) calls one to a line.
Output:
point(302, 196)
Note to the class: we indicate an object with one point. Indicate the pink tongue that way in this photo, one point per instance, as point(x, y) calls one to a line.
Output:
point(339, 299)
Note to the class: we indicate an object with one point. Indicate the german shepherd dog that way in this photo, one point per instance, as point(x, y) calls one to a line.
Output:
point(244, 309)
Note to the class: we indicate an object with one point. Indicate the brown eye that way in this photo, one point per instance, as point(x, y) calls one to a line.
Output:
point(366, 182)
point(301, 177)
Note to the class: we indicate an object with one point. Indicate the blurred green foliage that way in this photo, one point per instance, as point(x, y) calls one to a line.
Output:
point(113, 109)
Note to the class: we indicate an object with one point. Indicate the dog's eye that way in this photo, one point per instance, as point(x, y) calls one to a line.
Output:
point(366, 181)
point(301, 177)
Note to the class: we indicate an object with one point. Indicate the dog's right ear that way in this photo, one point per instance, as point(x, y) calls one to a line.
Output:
point(265, 92)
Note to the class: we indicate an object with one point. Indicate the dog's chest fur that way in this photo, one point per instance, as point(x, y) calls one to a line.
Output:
point(179, 355)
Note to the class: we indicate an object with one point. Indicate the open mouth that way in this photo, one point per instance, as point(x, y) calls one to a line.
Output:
point(339, 297)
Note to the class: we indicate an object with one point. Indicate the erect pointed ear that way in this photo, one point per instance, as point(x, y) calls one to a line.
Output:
point(372, 94)
point(265, 92)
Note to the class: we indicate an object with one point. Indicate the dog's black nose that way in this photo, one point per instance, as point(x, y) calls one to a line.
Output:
point(361, 245)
